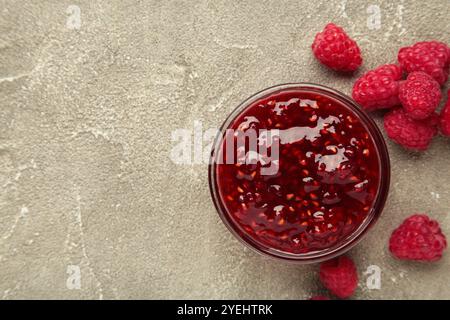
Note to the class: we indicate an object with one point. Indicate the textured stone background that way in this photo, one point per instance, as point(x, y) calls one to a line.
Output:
point(86, 117)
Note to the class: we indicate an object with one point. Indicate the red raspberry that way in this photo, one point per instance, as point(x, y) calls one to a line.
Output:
point(339, 276)
point(431, 57)
point(412, 134)
point(378, 88)
point(418, 238)
point(420, 95)
point(319, 298)
point(334, 48)
point(445, 117)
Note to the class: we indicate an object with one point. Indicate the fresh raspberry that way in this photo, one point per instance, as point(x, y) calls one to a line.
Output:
point(334, 48)
point(319, 298)
point(339, 276)
point(431, 57)
point(445, 117)
point(378, 88)
point(412, 134)
point(420, 95)
point(418, 238)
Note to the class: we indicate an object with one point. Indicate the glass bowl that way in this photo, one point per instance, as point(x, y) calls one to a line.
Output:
point(266, 100)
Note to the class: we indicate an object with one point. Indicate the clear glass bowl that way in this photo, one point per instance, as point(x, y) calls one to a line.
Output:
point(377, 204)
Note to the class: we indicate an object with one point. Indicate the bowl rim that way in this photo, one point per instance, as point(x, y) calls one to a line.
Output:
point(378, 203)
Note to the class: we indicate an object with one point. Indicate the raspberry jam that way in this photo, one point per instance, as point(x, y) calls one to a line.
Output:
point(329, 172)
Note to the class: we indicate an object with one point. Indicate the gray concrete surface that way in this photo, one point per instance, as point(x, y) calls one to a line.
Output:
point(86, 117)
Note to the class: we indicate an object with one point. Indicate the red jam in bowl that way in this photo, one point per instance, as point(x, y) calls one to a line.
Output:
point(329, 180)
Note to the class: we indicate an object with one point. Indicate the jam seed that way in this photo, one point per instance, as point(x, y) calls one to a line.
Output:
point(289, 196)
point(313, 196)
point(349, 153)
point(240, 190)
